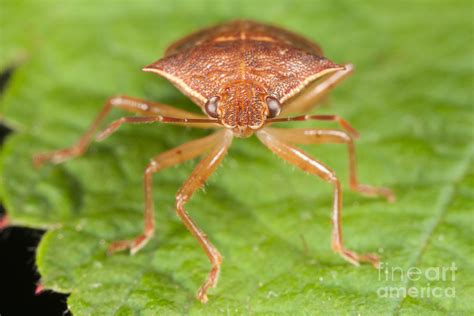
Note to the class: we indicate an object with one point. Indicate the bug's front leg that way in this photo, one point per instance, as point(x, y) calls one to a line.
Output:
point(135, 105)
point(332, 136)
point(164, 160)
point(197, 178)
point(300, 159)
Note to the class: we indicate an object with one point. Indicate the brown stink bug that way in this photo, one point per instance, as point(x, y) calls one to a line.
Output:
point(244, 76)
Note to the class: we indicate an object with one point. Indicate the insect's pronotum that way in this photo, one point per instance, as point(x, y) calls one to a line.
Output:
point(244, 76)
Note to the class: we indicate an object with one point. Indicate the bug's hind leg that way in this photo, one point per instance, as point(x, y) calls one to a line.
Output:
point(162, 161)
point(145, 108)
point(300, 159)
point(333, 136)
point(199, 175)
point(316, 92)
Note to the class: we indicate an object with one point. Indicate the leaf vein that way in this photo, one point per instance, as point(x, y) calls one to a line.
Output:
point(445, 198)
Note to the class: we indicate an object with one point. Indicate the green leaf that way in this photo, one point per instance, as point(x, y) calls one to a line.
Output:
point(410, 98)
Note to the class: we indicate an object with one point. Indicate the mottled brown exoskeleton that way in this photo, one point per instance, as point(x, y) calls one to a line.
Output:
point(244, 76)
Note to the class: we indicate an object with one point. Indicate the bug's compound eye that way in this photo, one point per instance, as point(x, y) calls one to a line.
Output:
point(211, 107)
point(274, 106)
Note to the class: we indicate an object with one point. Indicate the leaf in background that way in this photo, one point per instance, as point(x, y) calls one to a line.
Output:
point(410, 97)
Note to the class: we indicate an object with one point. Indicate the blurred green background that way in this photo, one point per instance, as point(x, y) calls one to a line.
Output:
point(410, 98)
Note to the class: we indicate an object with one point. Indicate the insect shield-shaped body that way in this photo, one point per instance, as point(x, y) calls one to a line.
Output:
point(245, 76)
point(242, 73)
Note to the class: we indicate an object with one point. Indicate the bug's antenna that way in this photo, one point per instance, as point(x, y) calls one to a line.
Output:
point(344, 124)
point(166, 119)
point(149, 119)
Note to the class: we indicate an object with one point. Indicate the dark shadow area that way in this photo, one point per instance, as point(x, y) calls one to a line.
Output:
point(18, 275)
point(5, 76)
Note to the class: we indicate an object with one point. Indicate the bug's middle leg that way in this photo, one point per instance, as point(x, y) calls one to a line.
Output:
point(300, 159)
point(164, 160)
point(198, 177)
point(332, 136)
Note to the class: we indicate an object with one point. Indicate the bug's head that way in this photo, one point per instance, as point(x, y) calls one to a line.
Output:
point(242, 107)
